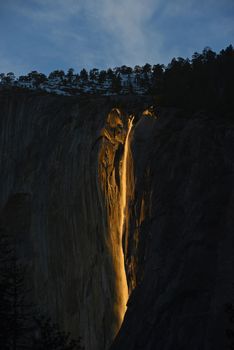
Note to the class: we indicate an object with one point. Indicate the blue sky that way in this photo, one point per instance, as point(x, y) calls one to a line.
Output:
point(45, 35)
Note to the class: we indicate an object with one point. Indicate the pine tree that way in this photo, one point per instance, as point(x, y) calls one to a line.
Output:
point(70, 75)
point(102, 76)
point(84, 75)
point(15, 311)
point(116, 85)
point(50, 337)
point(94, 74)
point(19, 329)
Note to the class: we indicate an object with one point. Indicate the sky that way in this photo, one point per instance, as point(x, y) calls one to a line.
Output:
point(45, 35)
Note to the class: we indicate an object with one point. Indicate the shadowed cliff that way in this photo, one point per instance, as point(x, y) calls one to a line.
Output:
point(61, 161)
point(184, 175)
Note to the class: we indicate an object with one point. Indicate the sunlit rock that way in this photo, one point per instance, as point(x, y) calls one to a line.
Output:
point(149, 112)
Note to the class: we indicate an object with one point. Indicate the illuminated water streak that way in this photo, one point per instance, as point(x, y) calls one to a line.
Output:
point(123, 203)
point(123, 188)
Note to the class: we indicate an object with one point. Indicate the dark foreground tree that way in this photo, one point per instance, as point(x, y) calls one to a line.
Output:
point(49, 336)
point(15, 310)
point(19, 329)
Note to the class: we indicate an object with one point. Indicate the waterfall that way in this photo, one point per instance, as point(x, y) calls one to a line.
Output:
point(123, 203)
point(115, 189)
point(123, 189)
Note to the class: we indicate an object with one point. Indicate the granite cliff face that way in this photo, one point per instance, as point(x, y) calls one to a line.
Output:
point(164, 235)
point(62, 161)
point(184, 176)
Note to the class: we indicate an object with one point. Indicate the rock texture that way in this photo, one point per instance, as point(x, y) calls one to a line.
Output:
point(61, 161)
point(60, 191)
point(181, 234)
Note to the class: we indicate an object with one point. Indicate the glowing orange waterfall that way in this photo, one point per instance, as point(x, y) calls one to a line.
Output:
point(123, 202)
point(124, 177)
point(115, 135)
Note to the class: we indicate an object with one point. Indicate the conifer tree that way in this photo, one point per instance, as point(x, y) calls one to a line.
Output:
point(15, 311)
point(19, 329)
point(50, 337)
point(116, 84)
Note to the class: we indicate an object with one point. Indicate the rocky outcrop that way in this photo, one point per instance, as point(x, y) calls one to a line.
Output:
point(170, 246)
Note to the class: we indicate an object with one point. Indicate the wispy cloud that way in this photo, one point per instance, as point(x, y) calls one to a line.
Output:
point(127, 22)
point(102, 33)
point(124, 22)
point(48, 11)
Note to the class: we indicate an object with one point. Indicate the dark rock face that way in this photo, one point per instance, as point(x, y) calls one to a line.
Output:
point(185, 242)
point(60, 161)
point(60, 175)
point(50, 202)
